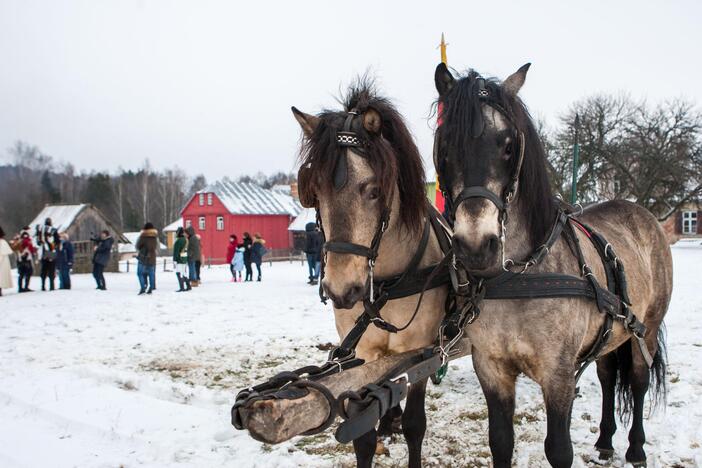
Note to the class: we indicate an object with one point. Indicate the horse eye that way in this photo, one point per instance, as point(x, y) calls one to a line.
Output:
point(374, 193)
point(508, 148)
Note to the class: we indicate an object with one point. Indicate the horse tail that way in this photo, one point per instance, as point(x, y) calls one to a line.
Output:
point(657, 384)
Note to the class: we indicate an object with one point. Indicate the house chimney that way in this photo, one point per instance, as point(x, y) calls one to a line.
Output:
point(293, 190)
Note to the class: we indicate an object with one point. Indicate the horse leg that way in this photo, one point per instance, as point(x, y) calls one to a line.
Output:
point(639, 378)
point(414, 422)
point(390, 423)
point(364, 448)
point(559, 392)
point(607, 373)
point(498, 385)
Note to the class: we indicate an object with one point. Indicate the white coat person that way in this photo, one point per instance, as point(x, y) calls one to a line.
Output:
point(5, 267)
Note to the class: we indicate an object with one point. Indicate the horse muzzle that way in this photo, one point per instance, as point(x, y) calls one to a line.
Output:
point(480, 257)
point(348, 297)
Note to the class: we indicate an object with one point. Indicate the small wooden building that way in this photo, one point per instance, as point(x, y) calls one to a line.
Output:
point(81, 222)
point(170, 232)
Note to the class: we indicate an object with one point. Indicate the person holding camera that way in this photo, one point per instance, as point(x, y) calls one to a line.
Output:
point(101, 257)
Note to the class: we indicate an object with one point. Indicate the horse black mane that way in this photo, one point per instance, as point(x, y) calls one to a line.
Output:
point(393, 155)
point(461, 111)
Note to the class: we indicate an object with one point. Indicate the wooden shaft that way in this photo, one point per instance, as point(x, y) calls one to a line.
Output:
point(275, 421)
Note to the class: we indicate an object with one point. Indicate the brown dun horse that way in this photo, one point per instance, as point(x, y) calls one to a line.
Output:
point(487, 142)
point(356, 189)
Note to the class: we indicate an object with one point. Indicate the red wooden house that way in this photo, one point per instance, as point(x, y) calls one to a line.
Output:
point(227, 207)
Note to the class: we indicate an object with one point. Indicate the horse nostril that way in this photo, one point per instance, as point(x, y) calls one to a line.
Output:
point(354, 294)
point(493, 243)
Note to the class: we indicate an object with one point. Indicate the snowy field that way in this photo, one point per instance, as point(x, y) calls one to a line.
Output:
point(111, 379)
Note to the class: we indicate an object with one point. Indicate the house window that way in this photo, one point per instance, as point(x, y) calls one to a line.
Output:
point(689, 222)
point(209, 199)
point(220, 223)
point(201, 223)
point(188, 223)
point(201, 199)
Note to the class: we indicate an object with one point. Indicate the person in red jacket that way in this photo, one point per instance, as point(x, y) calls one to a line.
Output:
point(26, 256)
point(231, 250)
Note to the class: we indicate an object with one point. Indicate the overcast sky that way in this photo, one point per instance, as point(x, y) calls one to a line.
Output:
point(208, 86)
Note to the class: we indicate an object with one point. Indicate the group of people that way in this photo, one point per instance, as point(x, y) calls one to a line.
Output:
point(242, 255)
point(53, 252)
point(187, 258)
point(50, 249)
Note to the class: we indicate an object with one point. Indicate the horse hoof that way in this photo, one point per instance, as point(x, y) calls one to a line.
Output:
point(637, 464)
point(604, 453)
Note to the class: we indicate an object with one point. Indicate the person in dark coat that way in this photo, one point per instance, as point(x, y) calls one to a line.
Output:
point(64, 261)
point(180, 260)
point(147, 247)
point(258, 250)
point(47, 240)
point(313, 240)
point(247, 243)
point(194, 254)
point(101, 257)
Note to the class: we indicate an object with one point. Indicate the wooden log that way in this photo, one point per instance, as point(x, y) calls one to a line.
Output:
point(275, 421)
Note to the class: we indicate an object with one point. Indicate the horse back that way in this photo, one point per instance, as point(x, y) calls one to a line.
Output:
point(641, 244)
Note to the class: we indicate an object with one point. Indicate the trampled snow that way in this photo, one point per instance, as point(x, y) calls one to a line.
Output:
point(106, 379)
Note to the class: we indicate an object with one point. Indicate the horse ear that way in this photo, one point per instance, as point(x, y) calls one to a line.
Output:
point(515, 81)
point(307, 122)
point(372, 121)
point(443, 79)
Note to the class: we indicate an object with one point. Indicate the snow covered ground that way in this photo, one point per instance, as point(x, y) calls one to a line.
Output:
point(93, 378)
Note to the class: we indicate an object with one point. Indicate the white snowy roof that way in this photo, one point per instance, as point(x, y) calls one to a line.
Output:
point(249, 198)
point(283, 188)
point(307, 215)
point(131, 246)
point(173, 227)
point(61, 215)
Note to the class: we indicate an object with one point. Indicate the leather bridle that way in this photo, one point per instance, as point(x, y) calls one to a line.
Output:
point(509, 192)
point(347, 138)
